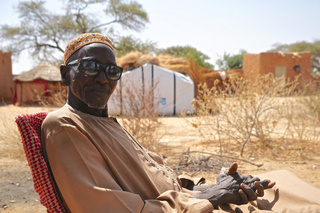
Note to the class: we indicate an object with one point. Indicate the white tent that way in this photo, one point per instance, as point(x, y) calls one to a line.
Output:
point(171, 92)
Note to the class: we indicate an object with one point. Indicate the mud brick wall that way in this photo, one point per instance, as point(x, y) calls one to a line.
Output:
point(294, 64)
point(6, 82)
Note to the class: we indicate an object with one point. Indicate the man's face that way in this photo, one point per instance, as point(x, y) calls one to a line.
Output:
point(94, 91)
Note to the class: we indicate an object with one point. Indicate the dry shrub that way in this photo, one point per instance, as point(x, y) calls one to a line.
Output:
point(302, 118)
point(311, 100)
point(139, 114)
point(57, 99)
point(252, 117)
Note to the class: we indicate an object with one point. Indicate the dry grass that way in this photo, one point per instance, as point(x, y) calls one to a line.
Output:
point(147, 58)
point(264, 117)
point(57, 99)
point(180, 65)
point(10, 141)
point(136, 59)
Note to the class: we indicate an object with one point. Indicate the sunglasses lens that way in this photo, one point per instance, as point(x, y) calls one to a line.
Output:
point(114, 72)
point(90, 67)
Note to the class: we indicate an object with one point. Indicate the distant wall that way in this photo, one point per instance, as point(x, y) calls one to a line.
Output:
point(288, 65)
point(6, 83)
point(302, 61)
point(251, 66)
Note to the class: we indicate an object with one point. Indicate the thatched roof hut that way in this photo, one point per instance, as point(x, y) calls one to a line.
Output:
point(34, 86)
point(45, 72)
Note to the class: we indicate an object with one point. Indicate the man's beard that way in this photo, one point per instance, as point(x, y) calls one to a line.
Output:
point(93, 100)
point(98, 102)
point(95, 96)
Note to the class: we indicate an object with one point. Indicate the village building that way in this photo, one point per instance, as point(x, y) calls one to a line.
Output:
point(37, 85)
point(288, 66)
point(6, 83)
point(282, 65)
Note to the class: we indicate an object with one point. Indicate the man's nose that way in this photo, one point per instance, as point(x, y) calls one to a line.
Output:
point(102, 77)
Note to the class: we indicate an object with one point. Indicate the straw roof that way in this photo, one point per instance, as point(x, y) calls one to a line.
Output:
point(136, 59)
point(45, 72)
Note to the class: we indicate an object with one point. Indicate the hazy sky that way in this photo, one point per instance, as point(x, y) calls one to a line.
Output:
point(211, 26)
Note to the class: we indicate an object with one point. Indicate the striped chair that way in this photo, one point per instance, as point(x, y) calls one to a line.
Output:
point(29, 126)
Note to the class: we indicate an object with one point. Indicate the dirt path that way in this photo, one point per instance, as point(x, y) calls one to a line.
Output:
point(17, 192)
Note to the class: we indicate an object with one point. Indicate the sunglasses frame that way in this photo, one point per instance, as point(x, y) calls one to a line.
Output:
point(106, 67)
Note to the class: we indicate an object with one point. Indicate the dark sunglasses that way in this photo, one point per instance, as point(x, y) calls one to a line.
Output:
point(92, 68)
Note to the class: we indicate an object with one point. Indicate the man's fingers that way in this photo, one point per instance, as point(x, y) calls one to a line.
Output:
point(260, 188)
point(250, 193)
point(271, 184)
point(250, 179)
point(267, 184)
point(244, 198)
point(233, 169)
point(223, 173)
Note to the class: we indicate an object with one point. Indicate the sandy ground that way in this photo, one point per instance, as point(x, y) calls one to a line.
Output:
point(16, 186)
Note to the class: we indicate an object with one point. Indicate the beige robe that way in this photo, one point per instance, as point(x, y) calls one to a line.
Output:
point(99, 167)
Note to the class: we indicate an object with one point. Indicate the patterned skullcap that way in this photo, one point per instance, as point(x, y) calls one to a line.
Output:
point(84, 39)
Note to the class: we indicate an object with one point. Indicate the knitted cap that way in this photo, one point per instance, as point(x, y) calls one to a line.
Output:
point(84, 39)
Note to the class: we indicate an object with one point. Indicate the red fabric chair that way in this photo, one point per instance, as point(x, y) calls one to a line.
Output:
point(29, 126)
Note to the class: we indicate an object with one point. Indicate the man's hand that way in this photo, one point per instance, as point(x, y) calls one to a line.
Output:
point(232, 187)
point(253, 182)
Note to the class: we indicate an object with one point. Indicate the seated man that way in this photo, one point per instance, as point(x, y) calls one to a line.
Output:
point(99, 167)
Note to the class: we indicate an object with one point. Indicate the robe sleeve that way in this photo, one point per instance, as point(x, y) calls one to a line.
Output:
point(87, 185)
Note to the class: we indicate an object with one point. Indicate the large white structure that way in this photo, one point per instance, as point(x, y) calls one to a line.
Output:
point(168, 92)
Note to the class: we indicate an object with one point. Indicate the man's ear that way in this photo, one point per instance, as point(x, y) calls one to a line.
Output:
point(65, 75)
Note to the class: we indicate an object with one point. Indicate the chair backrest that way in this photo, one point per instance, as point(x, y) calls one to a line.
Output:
point(29, 126)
